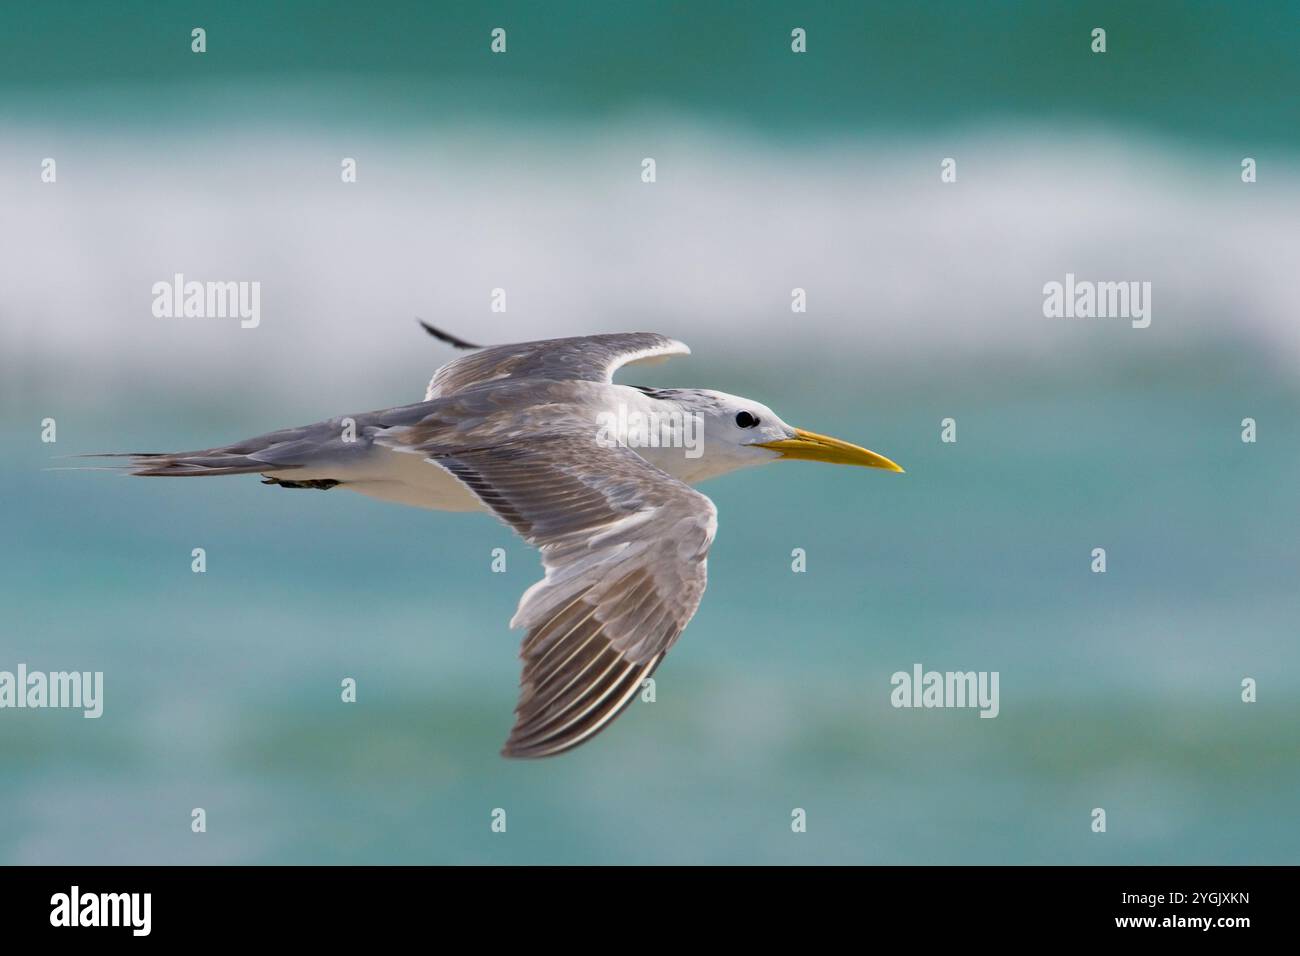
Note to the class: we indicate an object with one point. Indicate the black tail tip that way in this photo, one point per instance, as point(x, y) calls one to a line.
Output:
point(447, 337)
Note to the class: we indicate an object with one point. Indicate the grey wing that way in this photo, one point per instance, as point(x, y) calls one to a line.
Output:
point(625, 549)
point(586, 358)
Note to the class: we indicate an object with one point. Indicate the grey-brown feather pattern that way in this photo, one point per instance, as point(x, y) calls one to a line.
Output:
point(624, 545)
point(625, 548)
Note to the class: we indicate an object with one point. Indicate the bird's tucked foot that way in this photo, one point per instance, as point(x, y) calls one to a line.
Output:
point(324, 484)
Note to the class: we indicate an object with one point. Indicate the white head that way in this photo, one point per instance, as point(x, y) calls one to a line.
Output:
point(738, 432)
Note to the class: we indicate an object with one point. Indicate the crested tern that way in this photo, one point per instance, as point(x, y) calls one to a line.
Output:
point(516, 430)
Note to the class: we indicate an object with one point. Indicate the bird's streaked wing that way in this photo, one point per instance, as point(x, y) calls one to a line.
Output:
point(625, 550)
point(586, 358)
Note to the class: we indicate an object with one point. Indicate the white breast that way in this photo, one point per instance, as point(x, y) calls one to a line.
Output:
point(401, 477)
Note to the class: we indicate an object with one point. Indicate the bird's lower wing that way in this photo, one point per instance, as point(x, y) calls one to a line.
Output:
point(625, 550)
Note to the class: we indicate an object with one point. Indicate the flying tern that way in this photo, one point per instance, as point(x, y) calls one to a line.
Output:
point(583, 469)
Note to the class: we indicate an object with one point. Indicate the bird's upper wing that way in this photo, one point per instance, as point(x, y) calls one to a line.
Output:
point(625, 550)
point(585, 358)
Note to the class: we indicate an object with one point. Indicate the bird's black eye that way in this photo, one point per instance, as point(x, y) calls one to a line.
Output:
point(746, 420)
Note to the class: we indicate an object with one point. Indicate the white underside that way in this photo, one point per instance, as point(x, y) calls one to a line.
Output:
point(410, 479)
point(401, 477)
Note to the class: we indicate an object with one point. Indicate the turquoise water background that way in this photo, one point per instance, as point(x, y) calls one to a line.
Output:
point(1118, 690)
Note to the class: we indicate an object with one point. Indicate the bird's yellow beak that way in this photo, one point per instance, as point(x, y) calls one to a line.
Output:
point(809, 446)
